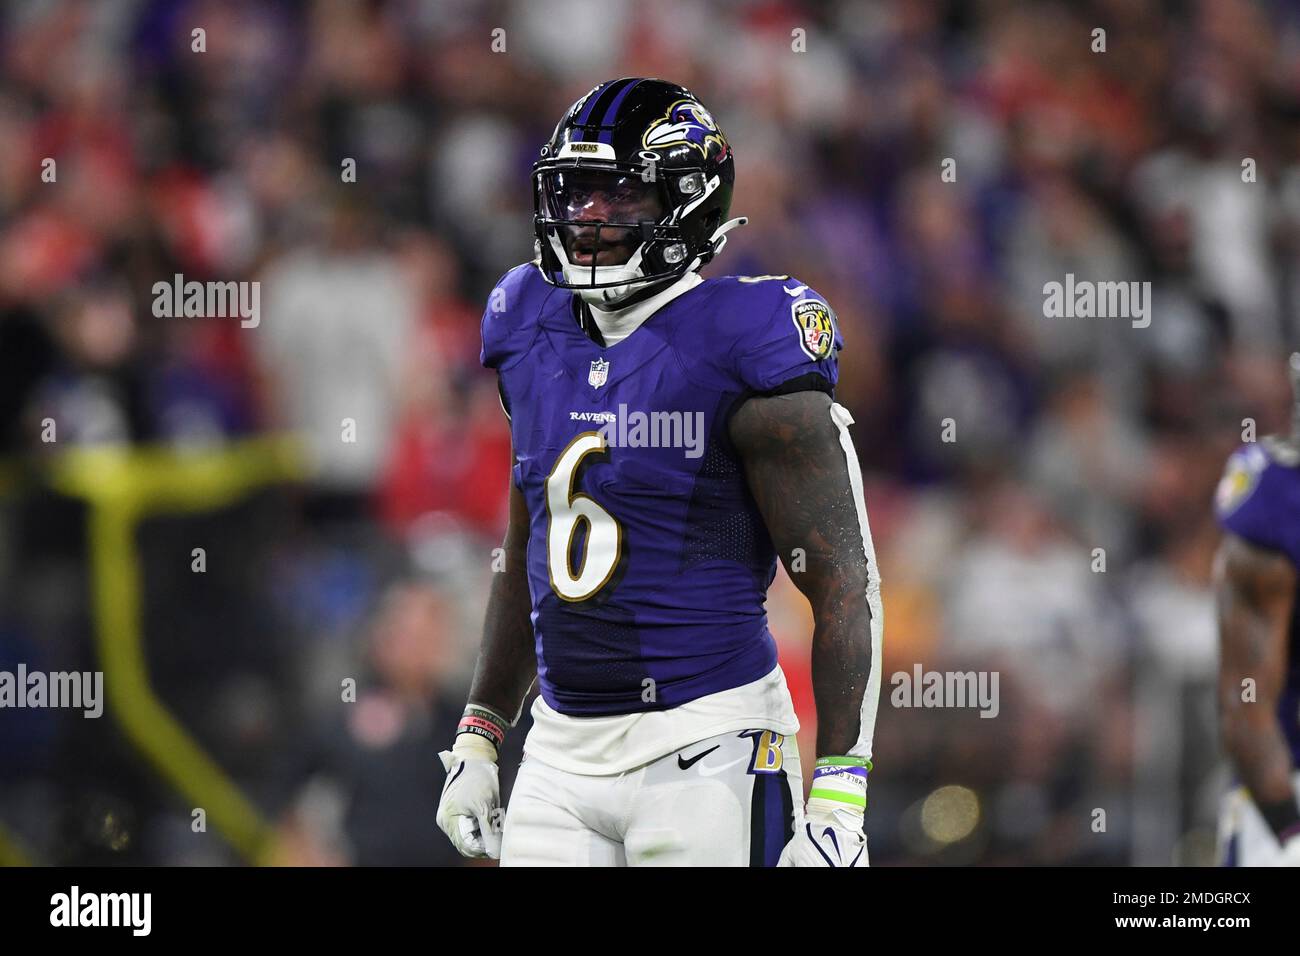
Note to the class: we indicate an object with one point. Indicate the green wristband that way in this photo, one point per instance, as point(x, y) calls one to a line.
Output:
point(843, 762)
point(852, 800)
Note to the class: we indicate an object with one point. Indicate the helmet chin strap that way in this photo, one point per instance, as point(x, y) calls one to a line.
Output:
point(612, 297)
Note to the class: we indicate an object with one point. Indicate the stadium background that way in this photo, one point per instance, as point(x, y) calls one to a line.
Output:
point(327, 559)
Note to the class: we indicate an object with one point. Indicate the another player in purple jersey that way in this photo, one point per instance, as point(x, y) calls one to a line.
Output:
point(1258, 504)
point(673, 436)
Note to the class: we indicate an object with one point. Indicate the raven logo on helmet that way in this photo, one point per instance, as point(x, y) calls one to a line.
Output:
point(686, 123)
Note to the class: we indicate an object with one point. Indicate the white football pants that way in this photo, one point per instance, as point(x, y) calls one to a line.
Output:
point(729, 800)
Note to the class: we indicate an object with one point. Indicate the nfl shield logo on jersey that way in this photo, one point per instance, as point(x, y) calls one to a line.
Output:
point(599, 372)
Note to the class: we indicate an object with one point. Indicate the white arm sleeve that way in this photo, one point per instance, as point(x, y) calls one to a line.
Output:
point(871, 699)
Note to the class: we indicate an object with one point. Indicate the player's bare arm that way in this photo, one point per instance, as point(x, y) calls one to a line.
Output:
point(470, 809)
point(802, 472)
point(1255, 589)
point(507, 662)
point(799, 477)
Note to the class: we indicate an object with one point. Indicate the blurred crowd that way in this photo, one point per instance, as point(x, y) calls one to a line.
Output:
point(1063, 539)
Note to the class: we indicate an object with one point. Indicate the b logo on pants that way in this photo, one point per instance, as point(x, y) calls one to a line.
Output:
point(767, 751)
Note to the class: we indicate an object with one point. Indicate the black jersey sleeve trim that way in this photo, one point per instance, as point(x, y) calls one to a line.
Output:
point(810, 382)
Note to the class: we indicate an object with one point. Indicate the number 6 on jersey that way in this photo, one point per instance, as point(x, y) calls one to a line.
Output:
point(564, 511)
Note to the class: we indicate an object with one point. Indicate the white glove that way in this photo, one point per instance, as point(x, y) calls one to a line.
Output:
point(470, 809)
point(831, 831)
point(826, 840)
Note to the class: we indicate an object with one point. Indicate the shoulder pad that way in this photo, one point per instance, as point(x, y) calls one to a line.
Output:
point(510, 317)
point(1258, 498)
point(779, 331)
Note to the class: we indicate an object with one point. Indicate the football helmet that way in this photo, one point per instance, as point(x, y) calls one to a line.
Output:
point(631, 191)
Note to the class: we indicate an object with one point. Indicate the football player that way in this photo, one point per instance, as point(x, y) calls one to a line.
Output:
point(1258, 504)
point(672, 437)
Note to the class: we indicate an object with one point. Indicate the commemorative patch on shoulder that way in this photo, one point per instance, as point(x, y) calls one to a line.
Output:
point(816, 328)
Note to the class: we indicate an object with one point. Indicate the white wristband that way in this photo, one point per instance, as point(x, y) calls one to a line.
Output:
point(474, 747)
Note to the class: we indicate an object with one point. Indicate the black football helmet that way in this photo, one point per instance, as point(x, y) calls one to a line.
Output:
point(631, 192)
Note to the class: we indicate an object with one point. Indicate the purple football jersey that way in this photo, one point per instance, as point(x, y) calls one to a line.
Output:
point(1259, 500)
point(648, 562)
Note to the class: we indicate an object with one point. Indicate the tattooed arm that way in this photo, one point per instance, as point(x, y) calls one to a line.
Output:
point(799, 476)
point(1254, 591)
point(507, 661)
